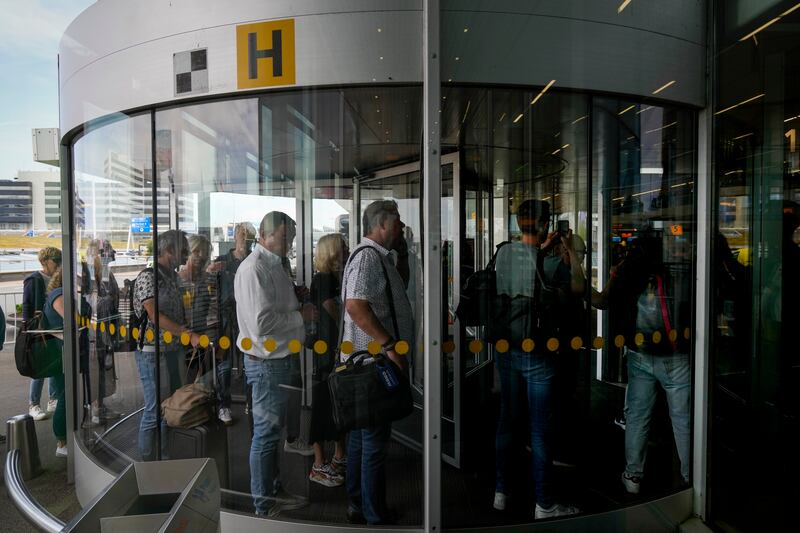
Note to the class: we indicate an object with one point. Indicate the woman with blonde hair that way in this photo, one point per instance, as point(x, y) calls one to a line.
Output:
point(330, 257)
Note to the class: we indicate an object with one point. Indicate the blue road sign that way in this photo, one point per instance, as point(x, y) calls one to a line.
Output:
point(141, 225)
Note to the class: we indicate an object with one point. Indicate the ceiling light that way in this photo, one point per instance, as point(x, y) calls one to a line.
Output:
point(457, 58)
point(381, 58)
point(663, 87)
point(378, 111)
point(376, 97)
point(502, 117)
point(734, 172)
point(790, 10)
point(756, 97)
point(379, 30)
point(565, 146)
point(580, 118)
point(626, 109)
point(466, 30)
point(792, 118)
point(542, 91)
point(555, 152)
point(742, 136)
point(762, 27)
point(623, 5)
point(662, 127)
point(518, 117)
point(379, 123)
point(648, 108)
point(449, 79)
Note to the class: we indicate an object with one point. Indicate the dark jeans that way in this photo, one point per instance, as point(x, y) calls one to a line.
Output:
point(531, 375)
point(366, 472)
point(146, 361)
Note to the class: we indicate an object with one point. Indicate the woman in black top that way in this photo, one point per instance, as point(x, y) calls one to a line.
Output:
point(331, 255)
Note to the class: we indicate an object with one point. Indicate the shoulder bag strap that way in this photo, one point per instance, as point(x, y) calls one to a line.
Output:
point(662, 297)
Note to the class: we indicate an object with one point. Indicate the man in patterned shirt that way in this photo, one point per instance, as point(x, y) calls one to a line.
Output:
point(368, 318)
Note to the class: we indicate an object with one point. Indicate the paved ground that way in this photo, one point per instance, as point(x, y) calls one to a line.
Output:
point(50, 488)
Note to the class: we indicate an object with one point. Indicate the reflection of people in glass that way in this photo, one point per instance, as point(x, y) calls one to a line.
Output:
point(100, 288)
point(225, 267)
point(196, 286)
point(34, 293)
point(53, 312)
point(370, 317)
point(655, 306)
point(270, 317)
point(531, 374)
point(173, 250)
point(331, 256)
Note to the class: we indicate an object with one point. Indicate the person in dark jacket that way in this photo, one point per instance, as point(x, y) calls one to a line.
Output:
point(33, 298)
point(53, 311)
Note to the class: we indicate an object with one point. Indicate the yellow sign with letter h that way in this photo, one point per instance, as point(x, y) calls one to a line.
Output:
point(265, 54)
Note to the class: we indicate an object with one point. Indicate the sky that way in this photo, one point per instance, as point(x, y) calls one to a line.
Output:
point(30, 31)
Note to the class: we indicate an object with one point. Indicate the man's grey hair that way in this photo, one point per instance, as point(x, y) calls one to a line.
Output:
point(199, 241)
point(172, 241)
point(272, 221)
point(376, 213)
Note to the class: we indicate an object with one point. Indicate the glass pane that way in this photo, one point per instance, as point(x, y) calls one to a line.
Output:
point(113, 213)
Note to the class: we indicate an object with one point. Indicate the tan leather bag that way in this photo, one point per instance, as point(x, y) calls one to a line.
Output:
point(190, 406)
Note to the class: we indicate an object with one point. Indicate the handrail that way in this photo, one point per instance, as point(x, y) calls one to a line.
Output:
point(25, 503)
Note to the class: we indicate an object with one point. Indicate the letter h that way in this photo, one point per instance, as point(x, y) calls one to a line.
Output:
point(254, 54)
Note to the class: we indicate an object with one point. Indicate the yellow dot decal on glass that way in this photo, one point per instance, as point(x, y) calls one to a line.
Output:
point(686, 334)
point(374, 347)
point(94, 326)
point(501, 346)
point(270, 345)
point(246, 343)
point(168, 337)
point(598, 343)
point(224, 342)
point(135, 333)
point(673, 335)
point(528, 345)
point(204, 341)
point(576, 343)
point(123, 331)
point(149, 335)
point(77, 317)
point(552, 344)
point(475, 346)
point(112, 329)
point(619, 341)
point(295, 346)
point(320, 347)
point(185, 338)
point(656, 337)
point(448, 346)
point(402, 347)
point(102, 327)
point(347, 347)
point(638, 339)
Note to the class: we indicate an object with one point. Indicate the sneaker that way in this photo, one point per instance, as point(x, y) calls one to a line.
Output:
point(285, 501)
point(298, 446)
point(339, 465)
point(51, 406)
point(499, 501)
point(36, 412)
point(325, 476)
point(61, 451)
point(554, 511)
point(632, 483)
point(620, 422)
point(224, 416)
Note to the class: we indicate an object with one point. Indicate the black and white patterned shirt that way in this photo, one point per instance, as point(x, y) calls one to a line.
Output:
point(170, 300)
point(364, 280)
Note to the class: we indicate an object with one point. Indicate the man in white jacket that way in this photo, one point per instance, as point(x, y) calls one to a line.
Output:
point(270, 317)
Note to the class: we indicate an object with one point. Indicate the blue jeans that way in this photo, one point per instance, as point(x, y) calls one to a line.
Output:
point(269, 402)
point(224, 382)
point(531, 374)
point(366, 472)
point(35, 391)
point(146, 362)
point(674, 375)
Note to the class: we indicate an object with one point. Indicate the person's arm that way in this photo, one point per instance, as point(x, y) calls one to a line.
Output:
point(332, 308)
point(58, 305)
point(363, 317)
point(577, 276)
point(28, 297)
point(164, 322)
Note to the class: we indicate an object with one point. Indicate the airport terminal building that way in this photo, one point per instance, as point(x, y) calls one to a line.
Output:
point(665, 130)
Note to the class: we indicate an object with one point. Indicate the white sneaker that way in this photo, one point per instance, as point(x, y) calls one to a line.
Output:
point(224, 416)
point(298, 446)
point(499, 501)
point(36, 412)
point(61, 451)
point(632, 483)
point(554, 511)
point(51, 406)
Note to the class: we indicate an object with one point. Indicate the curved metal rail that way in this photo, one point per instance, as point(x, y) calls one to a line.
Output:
point(25, 503)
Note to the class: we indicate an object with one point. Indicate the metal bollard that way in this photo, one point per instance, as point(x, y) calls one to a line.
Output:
point(21, 435)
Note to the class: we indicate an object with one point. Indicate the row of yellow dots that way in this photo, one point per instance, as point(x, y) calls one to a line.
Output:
point(527, 345)
point(270, 345)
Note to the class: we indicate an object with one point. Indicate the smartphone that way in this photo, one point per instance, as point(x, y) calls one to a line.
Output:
point(563, 227)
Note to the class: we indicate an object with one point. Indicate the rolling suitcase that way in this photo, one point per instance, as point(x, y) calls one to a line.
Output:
point(206, 440)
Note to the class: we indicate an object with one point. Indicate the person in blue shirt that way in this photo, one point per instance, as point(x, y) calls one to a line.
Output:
point(54, 319)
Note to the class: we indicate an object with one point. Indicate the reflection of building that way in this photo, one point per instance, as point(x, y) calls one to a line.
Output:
point(16, 205)
point(31, 201)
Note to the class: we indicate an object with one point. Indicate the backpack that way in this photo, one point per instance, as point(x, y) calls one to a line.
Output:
point(134, 321)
